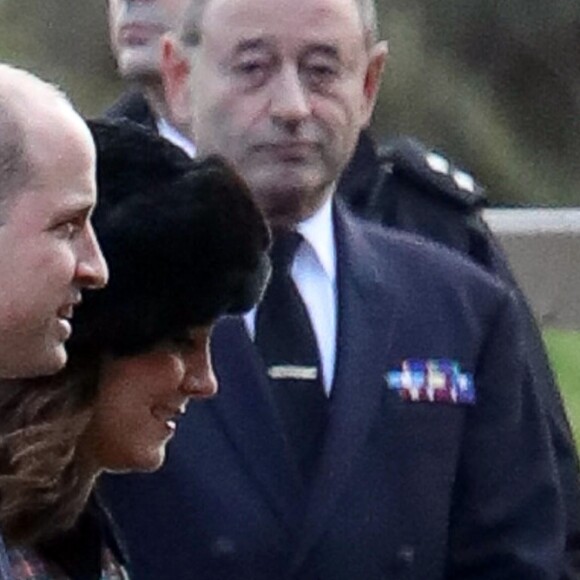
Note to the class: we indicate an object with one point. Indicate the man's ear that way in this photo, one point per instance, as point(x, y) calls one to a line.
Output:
point(175, 78)
point(376, 64)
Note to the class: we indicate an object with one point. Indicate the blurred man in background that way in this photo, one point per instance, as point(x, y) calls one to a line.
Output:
point(135, 29)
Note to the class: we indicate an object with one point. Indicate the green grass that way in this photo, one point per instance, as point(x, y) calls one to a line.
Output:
point(564, 351)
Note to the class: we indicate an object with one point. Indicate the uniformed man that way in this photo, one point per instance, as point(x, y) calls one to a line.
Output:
point(313, 463)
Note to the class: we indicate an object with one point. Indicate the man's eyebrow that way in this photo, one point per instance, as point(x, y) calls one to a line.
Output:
point(75, 208)
point(324, 50)
point(252, 44)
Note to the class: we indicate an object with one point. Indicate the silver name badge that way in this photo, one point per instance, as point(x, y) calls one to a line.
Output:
point(293, 372)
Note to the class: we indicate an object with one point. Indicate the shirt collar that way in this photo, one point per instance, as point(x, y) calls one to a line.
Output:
point(318, 231)
point(176, 137)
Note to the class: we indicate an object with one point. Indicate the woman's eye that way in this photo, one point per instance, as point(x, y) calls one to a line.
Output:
point(187, 343)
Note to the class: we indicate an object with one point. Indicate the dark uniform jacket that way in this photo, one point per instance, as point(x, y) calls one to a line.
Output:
point(453, 484)
point(400, 190)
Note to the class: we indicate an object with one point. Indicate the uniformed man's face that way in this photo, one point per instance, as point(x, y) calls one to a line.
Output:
point(282, 89)
point(136, 27)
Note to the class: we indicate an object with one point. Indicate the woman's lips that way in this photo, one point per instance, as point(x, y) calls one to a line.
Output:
point(169, 415)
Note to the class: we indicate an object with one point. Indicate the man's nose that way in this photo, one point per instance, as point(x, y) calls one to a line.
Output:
point(290, 101)
point(92, 271)
point(200, 381)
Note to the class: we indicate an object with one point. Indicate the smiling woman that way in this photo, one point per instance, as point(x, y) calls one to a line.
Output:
point(185, 244)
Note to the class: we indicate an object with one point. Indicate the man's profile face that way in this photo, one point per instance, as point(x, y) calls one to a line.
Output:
point(48, 250)
point(282, 89)
point(136, 27)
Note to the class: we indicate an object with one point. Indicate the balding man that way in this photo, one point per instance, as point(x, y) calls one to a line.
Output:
point(48, 250)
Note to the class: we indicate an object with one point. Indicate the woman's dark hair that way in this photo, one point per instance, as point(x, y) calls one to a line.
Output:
point(185, 244)
point(183, 239)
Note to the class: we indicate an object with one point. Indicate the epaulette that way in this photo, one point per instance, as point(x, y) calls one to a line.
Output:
point(432, 172)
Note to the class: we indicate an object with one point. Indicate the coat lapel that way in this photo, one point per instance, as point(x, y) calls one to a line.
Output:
point(367, 318)
point(249, 418)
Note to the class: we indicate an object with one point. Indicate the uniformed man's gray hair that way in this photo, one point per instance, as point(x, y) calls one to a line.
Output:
point(190, 29)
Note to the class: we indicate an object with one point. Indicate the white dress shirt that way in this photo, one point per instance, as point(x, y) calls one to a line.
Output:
point(176, 137)
point(314, 273)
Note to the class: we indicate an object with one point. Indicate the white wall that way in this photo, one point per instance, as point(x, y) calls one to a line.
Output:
point(543, 246)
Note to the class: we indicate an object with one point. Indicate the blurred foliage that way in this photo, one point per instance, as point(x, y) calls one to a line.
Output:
point(563, 347)
point(495, 85)
point(63, 41)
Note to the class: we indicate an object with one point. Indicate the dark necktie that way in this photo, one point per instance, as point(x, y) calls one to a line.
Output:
point(286, 341)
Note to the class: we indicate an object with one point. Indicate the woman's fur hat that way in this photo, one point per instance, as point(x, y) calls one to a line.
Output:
point(183, 239)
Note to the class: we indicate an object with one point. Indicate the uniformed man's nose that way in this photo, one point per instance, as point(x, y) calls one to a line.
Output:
point(289, 102)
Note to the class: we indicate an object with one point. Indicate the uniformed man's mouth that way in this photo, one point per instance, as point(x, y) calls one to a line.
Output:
point(289, 150)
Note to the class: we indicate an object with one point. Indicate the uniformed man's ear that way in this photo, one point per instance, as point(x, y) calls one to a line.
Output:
point(376, 63)
point(175, 75)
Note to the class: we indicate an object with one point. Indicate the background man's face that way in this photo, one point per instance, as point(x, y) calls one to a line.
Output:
point(48, 248)
point(136, 27)
point(282, 88)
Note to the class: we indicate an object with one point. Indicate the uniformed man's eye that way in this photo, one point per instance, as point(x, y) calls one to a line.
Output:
point(249, 67)
point(254, 71)
point(319, 74)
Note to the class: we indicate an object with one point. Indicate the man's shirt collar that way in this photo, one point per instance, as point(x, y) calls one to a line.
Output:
point(176, 137)
point(318, 231)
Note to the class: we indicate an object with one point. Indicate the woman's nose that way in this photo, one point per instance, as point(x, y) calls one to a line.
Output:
point(200, 381)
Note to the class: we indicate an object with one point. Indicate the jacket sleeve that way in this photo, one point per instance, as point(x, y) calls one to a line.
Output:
point(507, 519)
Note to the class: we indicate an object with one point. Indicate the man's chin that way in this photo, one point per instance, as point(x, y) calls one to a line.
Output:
point(50, 362)
point(55, 361)
point(286, 181)
point(138, 64)
point(285, 205)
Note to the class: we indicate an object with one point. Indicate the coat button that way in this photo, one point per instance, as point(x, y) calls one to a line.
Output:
point(405, 556)
point(223, 546)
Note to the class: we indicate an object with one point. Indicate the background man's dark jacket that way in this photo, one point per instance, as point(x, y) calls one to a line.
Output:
point(399, 189)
